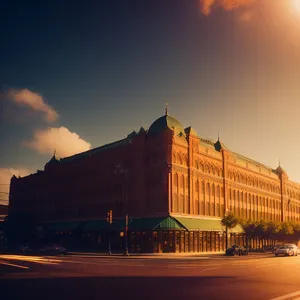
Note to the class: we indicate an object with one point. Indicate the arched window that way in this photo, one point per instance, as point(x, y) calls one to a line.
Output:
point(174, 158)
point(197, 186)
point(176, 179)
point(207, 210)
point(181, 204)
point(205, 168)
point(175, 202)
point(208, 189)
point(201, 167)
point(179, 160)
point(218, 191)
point(182, 181)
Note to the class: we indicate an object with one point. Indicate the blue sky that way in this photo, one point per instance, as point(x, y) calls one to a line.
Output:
point(79, 74)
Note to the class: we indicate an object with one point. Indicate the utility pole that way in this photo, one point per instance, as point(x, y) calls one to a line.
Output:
point(121, 170)
point(109, 220)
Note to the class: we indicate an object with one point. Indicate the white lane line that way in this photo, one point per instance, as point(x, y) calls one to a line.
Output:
point(13, 265)
point(287, 296)
point(208, 269)
point(182, 267)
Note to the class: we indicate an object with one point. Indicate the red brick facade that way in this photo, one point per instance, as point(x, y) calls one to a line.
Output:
point(170, 171)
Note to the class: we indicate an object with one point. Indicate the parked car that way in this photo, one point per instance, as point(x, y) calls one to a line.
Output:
point(287, 250)
point(236, 250)
point(51, 249)
point(21, 249)
point(276, 247)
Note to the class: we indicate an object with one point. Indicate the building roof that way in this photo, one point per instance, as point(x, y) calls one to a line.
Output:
point(280, 170)
point(166, 122)
point(53, 160)
point(190, 130)
point(220, 145)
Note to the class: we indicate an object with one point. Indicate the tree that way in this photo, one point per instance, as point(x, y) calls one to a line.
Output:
point(296, 227)
point(249, 229)
point(287, 229)
point(229, 221)
point(273, 229)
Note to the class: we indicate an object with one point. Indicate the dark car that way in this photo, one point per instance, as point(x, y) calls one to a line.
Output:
point(236, 250)
point(51, 249)
point(20, 249)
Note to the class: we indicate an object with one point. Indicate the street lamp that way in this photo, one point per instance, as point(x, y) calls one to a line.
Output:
point(169, 184)
point(121, 170)
point(226, 238)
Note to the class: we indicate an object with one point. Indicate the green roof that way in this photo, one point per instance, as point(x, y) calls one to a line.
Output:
point(200, 224)
point(206, 225)
point(237, 229)
point(156, 223)
point(165, 122)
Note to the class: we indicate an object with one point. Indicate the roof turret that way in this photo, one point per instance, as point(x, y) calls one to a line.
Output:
point(166, 122)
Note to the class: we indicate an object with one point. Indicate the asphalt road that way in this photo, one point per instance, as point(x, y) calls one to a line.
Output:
point(257, 277)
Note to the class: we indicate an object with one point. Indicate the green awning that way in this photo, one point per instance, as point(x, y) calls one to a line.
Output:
point(63, 226)
point(200, 224)
point(237, 229)
point(167, 223)
point(158, 223)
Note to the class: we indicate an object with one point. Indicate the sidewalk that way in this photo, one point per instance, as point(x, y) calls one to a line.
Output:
point(151, 255)
point(200, 255)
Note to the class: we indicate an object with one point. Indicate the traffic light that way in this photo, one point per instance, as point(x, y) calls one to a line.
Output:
point(109, 217)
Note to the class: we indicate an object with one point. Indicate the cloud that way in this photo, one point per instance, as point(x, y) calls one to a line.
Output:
point(208, 5)
point(246, 16)
point(5, 176)
point(65, 143)
point(33, 100)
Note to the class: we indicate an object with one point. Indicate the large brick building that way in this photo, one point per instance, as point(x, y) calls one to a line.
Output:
point(176, 185)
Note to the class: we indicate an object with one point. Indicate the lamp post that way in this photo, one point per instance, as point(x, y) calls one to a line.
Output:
point(169, 184)
point(226, 238)
point(121, 170)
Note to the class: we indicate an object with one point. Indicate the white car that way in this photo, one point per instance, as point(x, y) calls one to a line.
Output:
point(287, 250)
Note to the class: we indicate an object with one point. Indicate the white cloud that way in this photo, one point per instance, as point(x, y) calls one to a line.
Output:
point(33, 100)
point(208, 5)
point(65, 143)
point(5, 176)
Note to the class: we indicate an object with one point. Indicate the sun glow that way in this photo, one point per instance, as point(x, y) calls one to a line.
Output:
point(297, 5)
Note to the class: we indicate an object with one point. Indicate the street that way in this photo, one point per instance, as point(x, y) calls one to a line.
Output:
point(84, 276)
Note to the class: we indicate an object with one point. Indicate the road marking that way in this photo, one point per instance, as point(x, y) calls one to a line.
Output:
point(183, 267)
point(287, 296)
point(13, 265)
point(208, 269)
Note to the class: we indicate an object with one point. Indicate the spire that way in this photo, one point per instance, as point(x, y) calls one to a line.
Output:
point(166, 110)
point(218, 136)
point(279, 162)
point(54, 153)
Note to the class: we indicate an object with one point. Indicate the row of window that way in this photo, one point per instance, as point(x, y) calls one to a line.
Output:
point(253, 181)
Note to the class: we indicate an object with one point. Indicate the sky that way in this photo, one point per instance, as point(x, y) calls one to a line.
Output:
point(75, 75)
